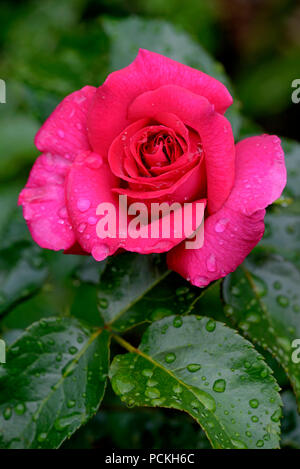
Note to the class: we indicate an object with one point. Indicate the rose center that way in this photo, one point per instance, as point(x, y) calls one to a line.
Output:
point(158, 146)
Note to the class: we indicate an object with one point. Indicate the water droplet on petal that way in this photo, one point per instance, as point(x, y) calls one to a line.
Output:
point(199, 281)
point(81, 227)
point(100, 252)
point(83, 205)
point(92, 220)
point(94, 162)
point(211, 263)
point(221, 225)
point(62, 212)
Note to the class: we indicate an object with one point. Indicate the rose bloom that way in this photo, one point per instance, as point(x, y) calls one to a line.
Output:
point(155, 132)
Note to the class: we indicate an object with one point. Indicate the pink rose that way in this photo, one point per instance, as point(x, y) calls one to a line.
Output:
point(154, 132)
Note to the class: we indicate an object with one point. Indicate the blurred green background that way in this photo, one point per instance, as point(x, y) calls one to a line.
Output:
point(51, 48)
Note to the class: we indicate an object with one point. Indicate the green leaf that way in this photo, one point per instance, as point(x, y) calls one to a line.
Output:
point(282, 235)
point(135, 289)
point(85, 305)
point(8, 205)
point(16, 143)
point(202, 367)
point(159, 429)
point(127, 36)
point(290, 422)
point(52, 383)
point(266, 90)
point(292, 161)
point(263, 300)
point(209, 303)
point(22, 271)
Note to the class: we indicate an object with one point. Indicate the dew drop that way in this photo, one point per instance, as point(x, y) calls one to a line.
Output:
point(199, 281)
point(276, 416)
point(83, 205)
point(210, 325)
point(148, 373)
point(20, 408)
point(170, 357)
point(92, 220)
point(211, 263)
point(42, 437)
point(206, 399)
point(123, 385)
point(73, 350)
point(254, 403)
point(151, 383)
point(153, 393)
point(177, 322)
point(81, 227)
point(71, 404)
point(219, 385)
point(277, 285)
point(103, 303)
point(94, 162)
point(158, 402)
point(221, 225)
point(7, 413)
point(239, 444)
point(177, 389)
point(100, 252)
point(193, 367)
point(62, 212)
point(282, 301)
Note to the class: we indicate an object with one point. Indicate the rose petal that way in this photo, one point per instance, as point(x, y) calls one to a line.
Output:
point(148, 71)
point(64, 132)
point(87, 187)
point(214, 130)
point(232, 233)
point(44, 203)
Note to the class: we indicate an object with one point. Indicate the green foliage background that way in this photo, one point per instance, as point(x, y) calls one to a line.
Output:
point(49, 49)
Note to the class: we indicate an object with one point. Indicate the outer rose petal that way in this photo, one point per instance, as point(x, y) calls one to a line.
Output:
point(231, 233)
point(89, 183)
point(64, 132)
point(148, 72)
point(44, 204)
point(214, 130)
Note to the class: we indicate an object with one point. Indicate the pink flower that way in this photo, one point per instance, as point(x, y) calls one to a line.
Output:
point(154, 132)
